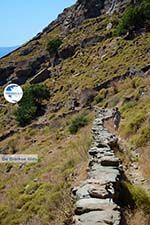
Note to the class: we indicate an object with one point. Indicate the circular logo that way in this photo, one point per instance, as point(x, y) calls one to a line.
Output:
point(13, 93)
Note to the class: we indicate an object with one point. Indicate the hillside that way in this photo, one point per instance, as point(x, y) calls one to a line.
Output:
point(96, 53)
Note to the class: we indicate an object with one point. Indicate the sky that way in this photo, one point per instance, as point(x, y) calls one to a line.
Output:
point(20, 20)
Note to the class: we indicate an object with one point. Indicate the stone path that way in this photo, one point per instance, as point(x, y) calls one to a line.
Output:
point(96, 196)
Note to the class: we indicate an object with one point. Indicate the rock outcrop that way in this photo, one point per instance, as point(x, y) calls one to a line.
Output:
point(41, 76)
point(96, 197)
point(85, 9)
point(20, 71)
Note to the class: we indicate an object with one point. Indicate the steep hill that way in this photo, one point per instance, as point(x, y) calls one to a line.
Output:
point(96, 52)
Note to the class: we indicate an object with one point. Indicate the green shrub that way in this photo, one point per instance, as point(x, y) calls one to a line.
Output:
point(134, 17)
point(53, 45)
point(31, 103)
point(145, 9)
point(77, 122)
point(130, 19)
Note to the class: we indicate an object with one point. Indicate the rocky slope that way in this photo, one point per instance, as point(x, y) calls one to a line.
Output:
point(29, 59)
point(93, 66)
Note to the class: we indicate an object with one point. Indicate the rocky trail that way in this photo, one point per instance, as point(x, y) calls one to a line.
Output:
point(96, 197)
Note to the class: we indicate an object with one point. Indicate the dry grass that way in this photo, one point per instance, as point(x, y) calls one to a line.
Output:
point(144, 161)
point(63, 159)
point(138, 218)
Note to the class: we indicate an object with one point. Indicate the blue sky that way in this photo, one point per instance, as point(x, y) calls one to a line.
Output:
point(20, 20)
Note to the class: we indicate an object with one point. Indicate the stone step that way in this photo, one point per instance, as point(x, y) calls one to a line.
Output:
point(96, 150)
point(110, 161)
point(93, 204)
point(104, 174)
point(95, 189)
point(107, 217)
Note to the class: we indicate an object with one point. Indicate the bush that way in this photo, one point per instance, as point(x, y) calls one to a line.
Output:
point(130, 19)
point(98, 99)
point(77, 122)
point(53, 45)
point(145, 9)
point(134, 17)
point(31, 103)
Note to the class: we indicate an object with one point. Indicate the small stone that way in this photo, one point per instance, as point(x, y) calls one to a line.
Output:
point(109, 26)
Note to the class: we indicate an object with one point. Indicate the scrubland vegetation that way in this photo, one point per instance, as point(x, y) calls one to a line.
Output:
point(40, 193)
point(31, 103)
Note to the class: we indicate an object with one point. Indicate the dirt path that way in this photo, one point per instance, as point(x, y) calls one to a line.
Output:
point(132, 168)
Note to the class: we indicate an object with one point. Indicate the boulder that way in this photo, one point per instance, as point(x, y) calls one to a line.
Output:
point(87, 96)
point(26, 69)
point(26, 51)
point(67, 52)
point(41, 76)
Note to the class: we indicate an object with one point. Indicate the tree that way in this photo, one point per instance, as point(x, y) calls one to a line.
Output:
point(31, 103)
point(53, 46)
point(134, 17)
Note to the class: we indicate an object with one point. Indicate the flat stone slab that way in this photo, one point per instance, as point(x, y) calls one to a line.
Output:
point(98, 158)
point(93, 204)
point(92, 188)
point(110, 161)
point(104, 174)
point(109, 140)
point(107, 217)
